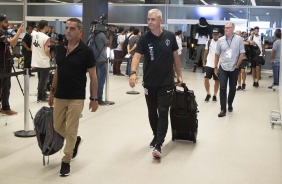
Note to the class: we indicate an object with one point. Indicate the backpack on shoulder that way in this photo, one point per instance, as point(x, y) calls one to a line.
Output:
point(49, 141)
point(114, 42)
point(124, 46)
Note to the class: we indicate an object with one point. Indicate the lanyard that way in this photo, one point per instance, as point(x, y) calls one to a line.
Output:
point(229, 44)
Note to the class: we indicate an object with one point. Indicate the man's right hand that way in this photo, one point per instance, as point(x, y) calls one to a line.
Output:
point(133, 79)
point(51, 100)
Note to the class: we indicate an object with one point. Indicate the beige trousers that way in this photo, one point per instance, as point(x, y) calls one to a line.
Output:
point(66, 121)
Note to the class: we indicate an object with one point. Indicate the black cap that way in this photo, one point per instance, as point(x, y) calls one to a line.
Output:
point(215, 31)
point(3, 17)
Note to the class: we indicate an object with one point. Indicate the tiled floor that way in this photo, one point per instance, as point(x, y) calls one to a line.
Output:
point(239, 148)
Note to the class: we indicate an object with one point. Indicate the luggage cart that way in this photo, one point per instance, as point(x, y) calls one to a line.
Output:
point(275, 118)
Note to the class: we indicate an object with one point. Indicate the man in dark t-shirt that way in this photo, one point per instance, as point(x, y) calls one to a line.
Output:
point(6, 63)
point(74, 59)
point(160, 51)
point(26, 49)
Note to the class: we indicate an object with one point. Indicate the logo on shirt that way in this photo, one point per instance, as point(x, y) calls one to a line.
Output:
point(167, 42)
point(35, 43)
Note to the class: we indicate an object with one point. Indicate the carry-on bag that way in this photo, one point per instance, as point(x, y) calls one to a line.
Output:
point(183, 114)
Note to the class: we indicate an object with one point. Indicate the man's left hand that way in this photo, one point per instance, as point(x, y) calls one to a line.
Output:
point(93, 105)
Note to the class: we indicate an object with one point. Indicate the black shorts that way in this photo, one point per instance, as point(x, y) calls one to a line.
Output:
point(256, 62)
point(243, 64)
point(210, 73)
point(52, 48)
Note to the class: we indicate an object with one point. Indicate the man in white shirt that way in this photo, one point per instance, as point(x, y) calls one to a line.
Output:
point(118, 53)
point(208, 63)
point(259, 41)
point(41, 58)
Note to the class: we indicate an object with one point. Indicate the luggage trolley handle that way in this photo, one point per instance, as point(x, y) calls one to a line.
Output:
point(183, 85)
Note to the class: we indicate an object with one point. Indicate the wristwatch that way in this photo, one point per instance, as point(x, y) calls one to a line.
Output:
point(132, 72)
point(93, 99)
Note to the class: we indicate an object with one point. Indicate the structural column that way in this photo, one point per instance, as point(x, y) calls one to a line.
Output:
point(92, 10)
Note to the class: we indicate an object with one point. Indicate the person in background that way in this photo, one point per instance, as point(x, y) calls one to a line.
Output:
point(6, 63)
point(41, 59)
point(275, 59)
point(26, 49)
point(229, 54)
point(131, 47)
point(202, 34)
point(208, 62)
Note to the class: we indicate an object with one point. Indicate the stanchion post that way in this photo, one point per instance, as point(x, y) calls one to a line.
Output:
point(26, 132)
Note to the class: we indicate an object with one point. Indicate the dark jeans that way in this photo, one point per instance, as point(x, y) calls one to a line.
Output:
point(128, 66)
point(158, 102)
point(118, 60)
point(101, 70)
point(276, 72)
point(43, 77)
point(5, 86)
point(224, 76)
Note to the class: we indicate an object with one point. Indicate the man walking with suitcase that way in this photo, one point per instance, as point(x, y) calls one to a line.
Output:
point(229, 53)
point(160, 51)
point(74, 59)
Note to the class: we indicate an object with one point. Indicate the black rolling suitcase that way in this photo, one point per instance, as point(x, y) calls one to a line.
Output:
point(183, 115)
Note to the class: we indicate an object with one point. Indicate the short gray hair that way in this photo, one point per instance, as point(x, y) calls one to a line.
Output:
point(233, 25)
point(157, 11)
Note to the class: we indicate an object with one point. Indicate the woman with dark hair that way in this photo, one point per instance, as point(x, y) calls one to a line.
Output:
point(202, 33)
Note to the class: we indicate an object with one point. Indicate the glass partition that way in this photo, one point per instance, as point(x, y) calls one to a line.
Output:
point(55, 11)
point(13, 12)
point(54, 1)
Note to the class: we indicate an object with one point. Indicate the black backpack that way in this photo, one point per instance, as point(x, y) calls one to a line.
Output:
point(125, 43)
point(114, 42)
point(49, 141)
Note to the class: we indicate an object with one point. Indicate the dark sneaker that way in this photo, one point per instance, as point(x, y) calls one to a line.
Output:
point(207, 98)
point(153, 143)
point(243, 86)
point(230, 108)
point(239, 88)
point(214, 99)
point(76, 147)
point(102, 103)
point(157, 152)
point(257, 84)
point(270, 87)
point(65, 169)
point(222, 113)
point(254, 84)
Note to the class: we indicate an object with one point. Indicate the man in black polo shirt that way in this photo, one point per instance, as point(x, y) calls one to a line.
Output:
point(74, 59)
point(160, 51)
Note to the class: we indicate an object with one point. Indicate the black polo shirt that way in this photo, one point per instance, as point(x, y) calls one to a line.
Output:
point(159, 71)
point(72, 70)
